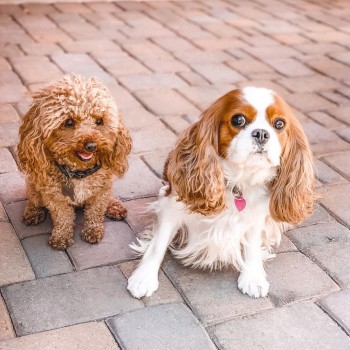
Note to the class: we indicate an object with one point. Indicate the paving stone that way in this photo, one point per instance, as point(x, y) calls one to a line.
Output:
point(8, 114)
point(153, 138)
point(9, 134)
point(212, 296)
point(87, 336)
point(11, 93)
point(3, 216)
point(317, 133)
point(327, 148)
point(14, 265)
point(175, 44)
point(165, 65)
point(337, 306)
point(286, 246)
point(113, 248)
point(314, 83)
point(327, 121)
point(326, 174)
point(335, 259)
point(132, 185)
point(341, 113)
point(156, 161)
point(36, 70)
point(81, 64)
point(336, 200)
point(15, 212)
point(119, 64)
point(307, 102)
point(9, 77)
point(71, 298)
point(305, 237)
point(330, 68)
point(147, 81)
point(289, 67)
point(335, 97)
point(165, 294)
point(249, 66)
point(319, 49)
point(268, 52)
point(175, 123)
point(340, 162)
point(90, 45)
point(44, 260)
point(140, 214)
point(217, 73)
point(219, 43)
point(299, 326)
point(204, 96)
point(344, 134)
point(199, 56)
point(169, 326)
point(294, 277)
point(41, 49)
point(12, 187)
point(193, 78)
point(6, 329)
point(136, 118)
point(142, 49)
point(7, 163)
point(170, 103)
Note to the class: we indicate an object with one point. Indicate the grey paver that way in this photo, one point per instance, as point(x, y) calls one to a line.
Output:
point(337, 306)
point(326, 174)
point(12, 187)
point(294, 277)
point(44, 260)
point(166, 292)
point(305, 237)
point(160, 327)
point(335, 259)
point(6, 329)
point(7, 163)
point(156, 161)
point(300, 326)
point(340, 162)
point(113, 248)
point(87, 336)
point(3, 216)
point(15, 212)
point(213, 296)
point(134, 186)
point(14, 265)
point(68, 299)
point(140, 213)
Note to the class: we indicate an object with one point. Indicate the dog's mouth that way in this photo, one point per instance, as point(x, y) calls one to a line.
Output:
point(84, 156)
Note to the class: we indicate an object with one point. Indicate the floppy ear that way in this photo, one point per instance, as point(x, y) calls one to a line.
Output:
point(118, 160)
point(193, 168)
point(292, 192)
point(31, 154)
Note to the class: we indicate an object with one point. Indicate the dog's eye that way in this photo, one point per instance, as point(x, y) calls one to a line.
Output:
point(99, 121)
point(238, 120)
point(278, 124)
point(69, 123)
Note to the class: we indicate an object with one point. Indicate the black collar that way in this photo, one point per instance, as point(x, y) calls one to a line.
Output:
point(78, 174)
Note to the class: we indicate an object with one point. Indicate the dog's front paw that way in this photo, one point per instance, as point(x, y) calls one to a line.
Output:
point(253, 284)
point(60, 243)
point(142, 283)
point(34, 216)
point(116, 210)
point(92, 235)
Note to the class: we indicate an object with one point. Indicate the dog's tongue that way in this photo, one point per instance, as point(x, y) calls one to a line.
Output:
point(85, 155)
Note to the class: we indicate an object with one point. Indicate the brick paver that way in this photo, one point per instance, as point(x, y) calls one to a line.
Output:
point(164, 63)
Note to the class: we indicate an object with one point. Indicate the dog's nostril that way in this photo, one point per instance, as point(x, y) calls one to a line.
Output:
point(90, 146)
point(260, 135)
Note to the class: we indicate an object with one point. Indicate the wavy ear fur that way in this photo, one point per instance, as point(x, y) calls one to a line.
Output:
point(292, 192)
point(118, 160)
point(193, 168)
point(31, 154)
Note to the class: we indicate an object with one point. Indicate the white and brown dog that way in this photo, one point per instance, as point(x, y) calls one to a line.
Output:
point(237, 178)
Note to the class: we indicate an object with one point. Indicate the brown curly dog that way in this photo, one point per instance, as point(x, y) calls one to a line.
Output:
point(72, 143)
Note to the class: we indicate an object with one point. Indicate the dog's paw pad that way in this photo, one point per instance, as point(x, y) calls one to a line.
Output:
point(253, 284)
point(116, 210)
point(140, 284)
point(34, 216)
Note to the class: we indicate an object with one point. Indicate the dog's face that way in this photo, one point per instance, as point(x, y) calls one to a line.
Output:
point(85, 130)
point(252, 128)
point(75, 123)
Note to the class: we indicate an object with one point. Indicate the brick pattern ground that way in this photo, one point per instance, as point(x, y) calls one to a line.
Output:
point(165, 62)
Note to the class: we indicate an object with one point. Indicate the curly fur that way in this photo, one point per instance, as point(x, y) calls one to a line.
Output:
point(45, 140)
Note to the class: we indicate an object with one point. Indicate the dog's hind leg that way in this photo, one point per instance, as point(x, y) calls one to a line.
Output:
point(144, 280)
point(115, 210)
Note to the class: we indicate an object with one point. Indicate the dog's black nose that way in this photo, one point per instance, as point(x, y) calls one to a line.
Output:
point(90, 146)
point(260, 135)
